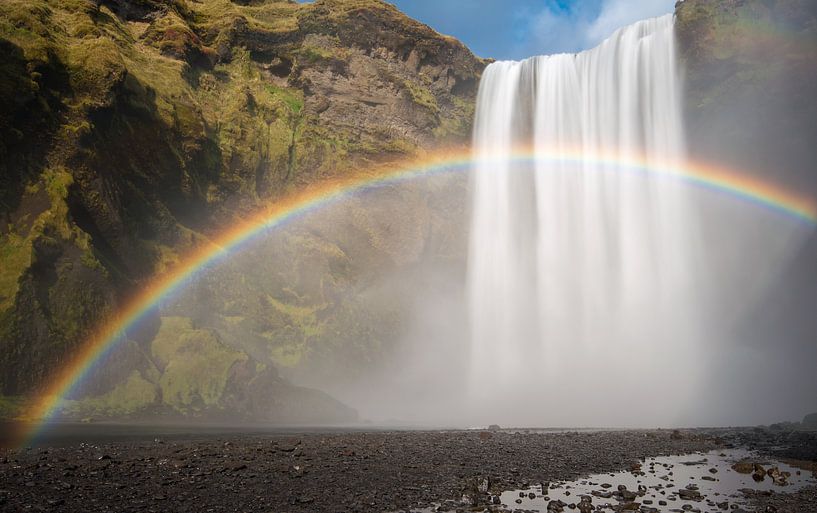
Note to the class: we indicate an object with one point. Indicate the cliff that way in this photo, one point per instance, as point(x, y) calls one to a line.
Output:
point(132, 131)
point(751, 73)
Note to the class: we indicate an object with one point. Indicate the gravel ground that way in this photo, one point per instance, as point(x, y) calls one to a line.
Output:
point(363, 472)
point(321, 472)
point(803, 501)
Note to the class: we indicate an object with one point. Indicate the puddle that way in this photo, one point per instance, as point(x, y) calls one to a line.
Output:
point(700, 482)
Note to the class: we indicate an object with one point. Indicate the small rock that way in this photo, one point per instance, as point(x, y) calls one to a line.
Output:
point(689, 495)
point(556, 506)
point(743, 467)
point(627, 495)
point(484, 485)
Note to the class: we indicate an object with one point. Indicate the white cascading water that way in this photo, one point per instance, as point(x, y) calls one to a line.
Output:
point(581, 277)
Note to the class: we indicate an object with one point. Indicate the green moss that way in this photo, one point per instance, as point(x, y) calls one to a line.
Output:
point(28, 24)
point(313, 54)
point(287, 355)
point(132, 396)
point(195, 365)
point(272, 17)
point(341, 10)
point(171, 35)
point(421, 96)
point(292, 98)
point(91, 262)
point(457, 124)
point(300, 313)
point(15, 249)
point(57, 182)
point(12, 407)
point(15, 254)
point(94, 64)
point(155, 139)
point(81, 303)
point(275, 17)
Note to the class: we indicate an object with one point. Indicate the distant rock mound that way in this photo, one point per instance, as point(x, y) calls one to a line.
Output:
point(188, 372)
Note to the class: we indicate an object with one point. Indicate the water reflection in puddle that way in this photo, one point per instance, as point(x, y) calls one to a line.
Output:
point(701, 482)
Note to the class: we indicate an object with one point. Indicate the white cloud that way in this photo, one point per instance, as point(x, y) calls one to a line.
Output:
point(553, 32)
point(556, 30)
point(619, 13)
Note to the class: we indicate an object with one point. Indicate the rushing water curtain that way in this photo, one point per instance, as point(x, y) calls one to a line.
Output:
point(577, 248)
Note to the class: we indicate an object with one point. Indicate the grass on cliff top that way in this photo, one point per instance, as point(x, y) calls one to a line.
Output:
point(276, 16)
point(273, 17)
point(343, 8)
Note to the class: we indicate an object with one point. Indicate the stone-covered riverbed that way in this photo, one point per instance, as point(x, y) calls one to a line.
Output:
point(334, 472)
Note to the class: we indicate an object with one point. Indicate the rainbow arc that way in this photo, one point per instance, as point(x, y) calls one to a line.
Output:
point(113, 331)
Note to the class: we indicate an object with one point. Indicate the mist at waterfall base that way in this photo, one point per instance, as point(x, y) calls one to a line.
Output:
point(599, 296)
point(564, 292)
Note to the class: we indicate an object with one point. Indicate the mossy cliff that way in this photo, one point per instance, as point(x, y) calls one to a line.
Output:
point(191, 372)
point(130, 131)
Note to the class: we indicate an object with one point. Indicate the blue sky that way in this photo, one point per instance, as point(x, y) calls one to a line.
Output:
point(515, 29)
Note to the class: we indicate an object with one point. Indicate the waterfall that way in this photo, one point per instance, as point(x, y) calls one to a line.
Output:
point(580, 254)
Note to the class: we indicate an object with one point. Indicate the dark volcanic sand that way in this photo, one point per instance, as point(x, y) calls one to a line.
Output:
point(316, 472)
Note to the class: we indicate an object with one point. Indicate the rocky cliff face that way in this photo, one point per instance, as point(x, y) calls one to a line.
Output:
point(751, 82)
point(129, 131)
point(751, 72)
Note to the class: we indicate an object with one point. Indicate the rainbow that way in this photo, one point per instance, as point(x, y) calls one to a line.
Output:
point(113, 331)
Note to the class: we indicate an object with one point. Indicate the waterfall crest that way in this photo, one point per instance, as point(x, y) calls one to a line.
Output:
point(576, 248)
